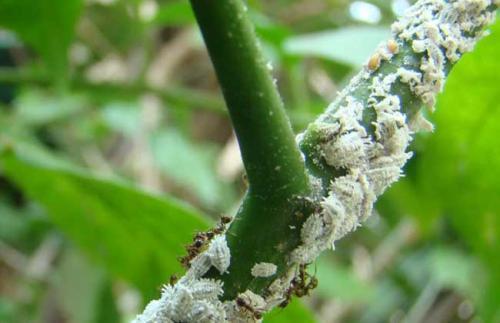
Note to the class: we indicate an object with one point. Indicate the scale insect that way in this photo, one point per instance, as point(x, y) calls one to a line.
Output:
point(252, 303)
point(264, 269)
point(374, 62)
point(392, 46)
point(219, 253)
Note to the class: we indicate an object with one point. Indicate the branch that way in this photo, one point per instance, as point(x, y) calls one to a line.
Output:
point(354, 151)
point(276, 173)
point(358, 147)
point(272, 160)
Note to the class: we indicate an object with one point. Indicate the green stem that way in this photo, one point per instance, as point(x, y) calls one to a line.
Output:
point(267, 143)
point(265, 228)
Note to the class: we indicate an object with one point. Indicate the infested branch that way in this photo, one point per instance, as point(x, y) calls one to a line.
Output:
point(353, 153)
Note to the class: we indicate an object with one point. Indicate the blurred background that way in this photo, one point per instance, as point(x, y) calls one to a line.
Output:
point(110, 114)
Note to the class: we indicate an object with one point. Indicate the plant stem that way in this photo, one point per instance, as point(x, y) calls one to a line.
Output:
point(267, 143)
point(265, 228)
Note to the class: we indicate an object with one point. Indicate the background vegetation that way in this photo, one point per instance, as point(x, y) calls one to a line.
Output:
point(110, 115)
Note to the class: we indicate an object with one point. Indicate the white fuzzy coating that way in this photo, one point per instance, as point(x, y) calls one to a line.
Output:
point(179, 306)
point(207, 312)
point(199, 266)
point(204, 288)
point(193, 298)
point(444, 31)
point(254, 303)
point(420, 123)
point(219, 253)
point(264, 269)
point(153, 313)
point(439, 32)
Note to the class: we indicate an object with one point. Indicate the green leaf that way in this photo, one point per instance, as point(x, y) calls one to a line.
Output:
point(175, 13)
point(296, 311)
point(338, 282)
point(351, 45)
point(81, 299)
point(136, 235)
point(35, 107)
point(191, 166)
point(387, 299)
point(124, 117)
point(461, 163)
point(8, 309)
point(452, 268)
point(46, 25)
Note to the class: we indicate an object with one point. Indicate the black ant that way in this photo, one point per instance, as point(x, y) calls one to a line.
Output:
point(173, 279)
point(300, 286)
point(240, 301)
point(201, 239)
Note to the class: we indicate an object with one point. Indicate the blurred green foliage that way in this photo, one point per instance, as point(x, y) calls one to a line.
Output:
point(47, 26)
point(102, 99)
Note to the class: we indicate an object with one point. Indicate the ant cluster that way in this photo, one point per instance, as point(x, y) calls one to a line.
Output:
point(250, 304)
point(301, 285)
point(201, 240)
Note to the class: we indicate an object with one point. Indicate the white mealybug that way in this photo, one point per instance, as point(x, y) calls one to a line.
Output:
point(179, 306)
point(382, 178)
point(205, 288)
point(219, 253)
point(264, 269)
point(419, 46)
point(343, 222)
point(312, 229)
point(419, 123)
point(346, 150)
point(307, 253)
point(412, 78)
point(249, 301)
point(369, 198)
point(396, 137)
point(199, 266)
point(347, 190)
point(429, 99)
point(333, 208)
point(153, 313)
point(205, 312)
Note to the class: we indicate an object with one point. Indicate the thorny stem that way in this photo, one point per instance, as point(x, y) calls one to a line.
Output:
point(275, 170)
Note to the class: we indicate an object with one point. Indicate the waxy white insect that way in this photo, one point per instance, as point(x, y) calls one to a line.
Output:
point(206, 288)
point(347, 151)
point(219, 253)
point(264, 269)
point(205, 312)
point(200, 265)
point(179, 305)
